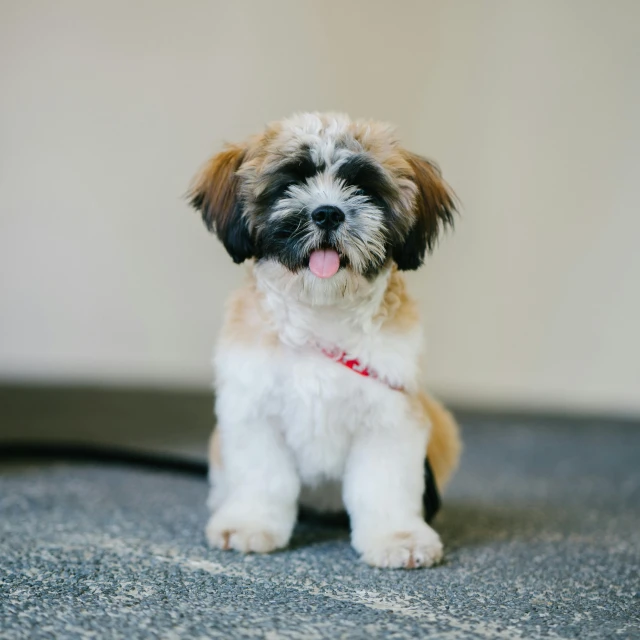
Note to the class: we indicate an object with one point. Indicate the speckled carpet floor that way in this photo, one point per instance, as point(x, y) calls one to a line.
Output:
point(541, 527)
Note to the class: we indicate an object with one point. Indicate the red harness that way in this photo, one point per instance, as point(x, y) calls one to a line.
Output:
point(354, 364)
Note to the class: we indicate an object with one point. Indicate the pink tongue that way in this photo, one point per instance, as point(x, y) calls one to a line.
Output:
point(324, 263)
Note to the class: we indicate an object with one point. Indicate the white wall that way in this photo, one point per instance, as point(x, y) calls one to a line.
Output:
point(107, 109)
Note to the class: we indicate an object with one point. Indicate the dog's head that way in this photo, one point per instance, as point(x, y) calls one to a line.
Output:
point(324, 200)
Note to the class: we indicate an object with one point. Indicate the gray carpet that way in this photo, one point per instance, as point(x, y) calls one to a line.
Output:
point(541, 527)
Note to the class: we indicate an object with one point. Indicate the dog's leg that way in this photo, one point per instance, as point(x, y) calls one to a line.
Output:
point(383, 489)
point(258, 510)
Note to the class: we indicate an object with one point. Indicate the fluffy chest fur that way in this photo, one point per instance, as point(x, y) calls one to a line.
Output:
point(270, 354)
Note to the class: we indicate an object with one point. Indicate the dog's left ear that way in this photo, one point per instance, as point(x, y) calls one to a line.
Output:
point(215, 193)
point(434, 208)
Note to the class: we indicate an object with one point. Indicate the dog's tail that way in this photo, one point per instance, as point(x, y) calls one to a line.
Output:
point(445, 445)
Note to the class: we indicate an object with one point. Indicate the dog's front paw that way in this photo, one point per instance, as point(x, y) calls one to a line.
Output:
point(416, 547)
point(246, 536)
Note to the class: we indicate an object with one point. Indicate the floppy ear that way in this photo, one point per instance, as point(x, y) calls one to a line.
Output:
point(433, 209)
point(215, 194)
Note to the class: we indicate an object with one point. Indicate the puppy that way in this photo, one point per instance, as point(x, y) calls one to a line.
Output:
point(317, 369)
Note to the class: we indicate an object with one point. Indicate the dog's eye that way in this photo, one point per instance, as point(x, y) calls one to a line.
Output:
point(274, 191)
point(372, 197)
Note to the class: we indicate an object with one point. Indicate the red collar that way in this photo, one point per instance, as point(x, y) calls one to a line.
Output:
point(354, 364)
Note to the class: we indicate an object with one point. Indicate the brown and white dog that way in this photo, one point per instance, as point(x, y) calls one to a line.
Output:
point(331, 211)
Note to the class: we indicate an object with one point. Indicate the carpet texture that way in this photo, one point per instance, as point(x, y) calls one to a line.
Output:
point(541, 528)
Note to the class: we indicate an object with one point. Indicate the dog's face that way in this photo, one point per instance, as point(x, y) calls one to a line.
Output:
point(325, 201)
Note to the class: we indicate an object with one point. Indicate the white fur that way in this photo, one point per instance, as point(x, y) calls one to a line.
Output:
point(296, 426)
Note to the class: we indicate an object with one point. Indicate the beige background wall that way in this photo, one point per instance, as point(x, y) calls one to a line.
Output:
point(532, 110)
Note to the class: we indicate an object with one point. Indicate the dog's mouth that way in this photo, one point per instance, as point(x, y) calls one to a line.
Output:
point(324, 263)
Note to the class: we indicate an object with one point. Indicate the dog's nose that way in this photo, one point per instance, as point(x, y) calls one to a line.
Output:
point(328, 217)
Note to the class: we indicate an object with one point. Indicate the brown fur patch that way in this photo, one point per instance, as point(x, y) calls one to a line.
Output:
point(215, 453)
point(398, 311)
point(444, 446)
point(246, 321)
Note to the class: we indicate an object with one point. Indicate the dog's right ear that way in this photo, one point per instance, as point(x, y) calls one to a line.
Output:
point(215, 193)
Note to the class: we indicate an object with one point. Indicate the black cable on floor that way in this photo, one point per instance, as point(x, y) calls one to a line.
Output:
point(15, 451)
